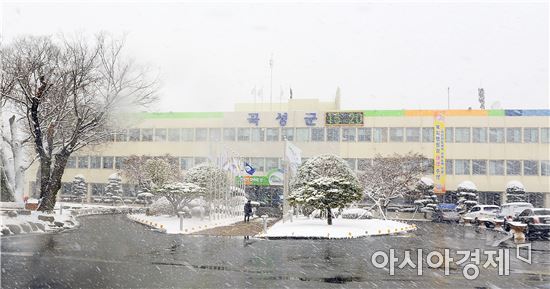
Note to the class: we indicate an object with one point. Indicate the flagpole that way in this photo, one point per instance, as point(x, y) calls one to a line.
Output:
point(271, 83)
point(286, 177)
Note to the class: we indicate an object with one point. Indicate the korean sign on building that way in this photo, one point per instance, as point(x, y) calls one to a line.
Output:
point(439, 153)
point(351, 118)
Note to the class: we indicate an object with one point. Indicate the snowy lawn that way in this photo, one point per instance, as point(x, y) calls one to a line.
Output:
point(22, 224)
point(304, 227)
point(171, 224)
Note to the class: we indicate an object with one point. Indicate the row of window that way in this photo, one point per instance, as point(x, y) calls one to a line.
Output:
point(336, 134)
point(453, 167)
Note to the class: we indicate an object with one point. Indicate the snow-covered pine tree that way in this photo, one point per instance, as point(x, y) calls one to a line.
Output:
point(427, 201)
point(79, 186)
point(114, 187)
point(467, 196)
point(515, 192)
point(179, 194)
point(325, 182)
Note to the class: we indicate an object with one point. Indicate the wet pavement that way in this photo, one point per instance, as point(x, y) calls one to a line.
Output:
point(113, 252)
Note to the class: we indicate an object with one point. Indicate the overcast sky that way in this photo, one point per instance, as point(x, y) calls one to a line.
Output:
point(382, 55)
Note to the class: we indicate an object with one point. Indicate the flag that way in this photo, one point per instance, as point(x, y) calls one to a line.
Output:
point(249, 169)
point(232, 165)
point(293, 153)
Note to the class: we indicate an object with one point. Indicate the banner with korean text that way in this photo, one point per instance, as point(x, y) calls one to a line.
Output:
point(439, 153)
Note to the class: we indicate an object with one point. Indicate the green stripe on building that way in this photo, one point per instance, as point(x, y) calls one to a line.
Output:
point(496, 112)
point(180, 115)
point(399, 112)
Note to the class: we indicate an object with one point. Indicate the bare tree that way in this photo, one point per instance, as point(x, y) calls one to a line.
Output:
point(389, 178)
point(148, 172)
point(70, 92)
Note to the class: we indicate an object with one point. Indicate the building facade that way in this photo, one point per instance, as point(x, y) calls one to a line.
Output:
point(487, 147)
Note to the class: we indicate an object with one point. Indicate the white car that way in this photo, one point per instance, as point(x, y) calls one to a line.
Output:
point(482, 212)
point(509, 211)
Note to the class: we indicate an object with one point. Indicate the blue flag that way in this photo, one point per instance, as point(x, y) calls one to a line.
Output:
point(249, 169)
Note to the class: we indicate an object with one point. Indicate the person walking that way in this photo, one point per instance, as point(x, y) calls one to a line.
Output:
point(247, 211)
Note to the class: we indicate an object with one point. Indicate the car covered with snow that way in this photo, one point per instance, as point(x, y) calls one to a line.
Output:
point(445, 212)
point(537, 221)
point(480, 213)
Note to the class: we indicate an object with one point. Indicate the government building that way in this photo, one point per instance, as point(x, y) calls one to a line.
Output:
point(488, 147)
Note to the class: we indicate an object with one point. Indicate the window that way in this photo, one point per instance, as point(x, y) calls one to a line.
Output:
point(83, 162)
point(201, 134)
point(380, 134)
point(302, 134)
point(186, 163)
point(229, 134)
point(200, 160)
point(271, 163)
point(258, 164)
point(351, 163)
point(187, 134)
point(287, 133)
point(333, 134)
point(531, 135)
point(462, 167)
point(348, 134)
point(496, 167)
point(462, 134)
point(173, 134)
point(412, 134)
point(133, 134)
point(243, 134)
point(545, 135)
point(449, 167)
point(147, 134)
point(545, 168)
point(428, 166)
point(107, 162)
point(121, 136)
point(95, 162)
point(215, 134)
point(71, 163)
point(479, 134)
point(513, 168)
point(479, 167)
point(427, 134)
point(258, 134)
point(119, 162)
point(160, 134)
point(97, 189)
point(513, 135)
point(111, 137)
point(449, 134)
point(531, 168)
point(317, 134)
point(496, 135)
point(396, 134)
point(364, 134)
point(272, 134)
point(363, 164)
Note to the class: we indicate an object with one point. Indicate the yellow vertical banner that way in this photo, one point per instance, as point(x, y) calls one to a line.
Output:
point(439, 153)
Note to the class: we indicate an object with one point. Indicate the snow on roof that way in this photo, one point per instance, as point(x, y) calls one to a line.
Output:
point(467, 185)
point(515, 185)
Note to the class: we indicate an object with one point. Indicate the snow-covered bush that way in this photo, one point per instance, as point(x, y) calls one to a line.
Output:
point(147, 172)
point(161, 206)
point(79, 186)
point(427, 200)
point(114, 187)
point(325, 182)
point(515, 192)
point(356, 213)
point(467, 196)
point(207, 177)
point(179, 194)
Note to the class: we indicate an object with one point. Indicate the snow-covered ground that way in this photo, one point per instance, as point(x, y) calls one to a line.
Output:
point(303, 227)
point(22, 224)
point(171, 224)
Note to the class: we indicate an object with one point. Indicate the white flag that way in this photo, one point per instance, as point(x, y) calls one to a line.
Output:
point(293, 154)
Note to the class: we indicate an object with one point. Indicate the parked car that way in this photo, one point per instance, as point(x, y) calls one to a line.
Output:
point(537, 221)
point(509, 211)
point(481, 213)
point(445, 212)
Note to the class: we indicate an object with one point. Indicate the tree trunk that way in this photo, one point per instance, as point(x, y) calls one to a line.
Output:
point(53, 183)
point(329, 216)
point(7, 191)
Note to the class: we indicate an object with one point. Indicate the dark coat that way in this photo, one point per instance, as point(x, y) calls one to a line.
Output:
point(248, 209)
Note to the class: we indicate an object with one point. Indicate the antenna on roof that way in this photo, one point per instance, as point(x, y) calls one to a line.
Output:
point(481, 94)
